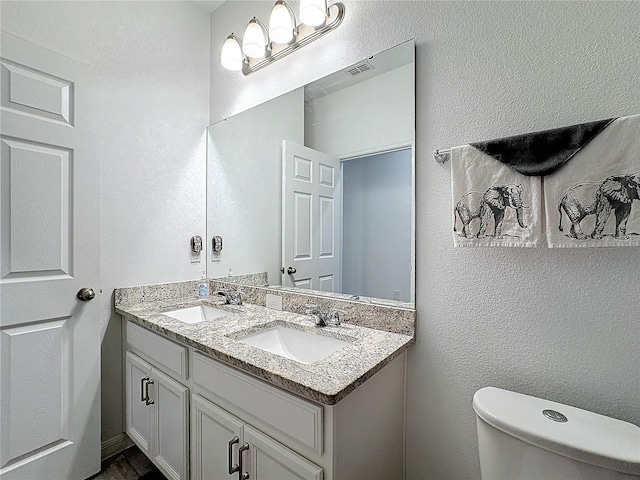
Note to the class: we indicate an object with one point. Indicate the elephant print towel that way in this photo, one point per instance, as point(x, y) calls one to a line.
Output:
point(594, 200)
point(493, 205)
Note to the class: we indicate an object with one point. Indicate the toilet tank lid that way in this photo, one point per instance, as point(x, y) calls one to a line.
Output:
point(585, 436)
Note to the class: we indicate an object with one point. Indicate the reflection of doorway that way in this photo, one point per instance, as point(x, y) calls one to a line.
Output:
point(377, 232)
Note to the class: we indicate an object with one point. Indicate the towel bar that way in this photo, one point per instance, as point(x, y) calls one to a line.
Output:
point(441, 156)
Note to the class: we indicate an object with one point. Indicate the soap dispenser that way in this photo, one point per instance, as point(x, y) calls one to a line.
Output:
point(203, 286)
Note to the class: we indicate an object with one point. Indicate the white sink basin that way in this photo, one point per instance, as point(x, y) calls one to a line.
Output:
point(294, 344)
point(197, 314)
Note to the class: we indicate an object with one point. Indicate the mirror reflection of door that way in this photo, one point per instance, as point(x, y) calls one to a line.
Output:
point(311, 220)
point(347, 225)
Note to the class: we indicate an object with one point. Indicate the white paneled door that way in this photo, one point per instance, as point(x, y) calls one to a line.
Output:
point(311, 219)
point(49, 242)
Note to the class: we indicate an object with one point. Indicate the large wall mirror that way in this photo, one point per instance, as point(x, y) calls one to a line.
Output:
point(315, 189)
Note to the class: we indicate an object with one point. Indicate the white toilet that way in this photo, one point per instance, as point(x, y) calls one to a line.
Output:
point(522, 437)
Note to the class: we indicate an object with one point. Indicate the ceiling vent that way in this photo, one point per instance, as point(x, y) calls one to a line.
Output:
point(359, 68)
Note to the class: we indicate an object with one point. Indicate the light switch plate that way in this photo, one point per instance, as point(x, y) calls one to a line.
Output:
point(274, 301)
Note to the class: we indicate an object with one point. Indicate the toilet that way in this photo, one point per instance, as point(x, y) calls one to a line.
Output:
point(522, 437)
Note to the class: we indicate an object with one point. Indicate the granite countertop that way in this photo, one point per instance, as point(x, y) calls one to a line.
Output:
point(326, 381)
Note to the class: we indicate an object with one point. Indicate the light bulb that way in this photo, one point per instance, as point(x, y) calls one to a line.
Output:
point(281, 23)
point(313, 12)
point(254, 41)
point(231, 56)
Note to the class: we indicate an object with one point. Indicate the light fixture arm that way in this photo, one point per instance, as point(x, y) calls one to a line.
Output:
point(303, 35)
point(265, 32)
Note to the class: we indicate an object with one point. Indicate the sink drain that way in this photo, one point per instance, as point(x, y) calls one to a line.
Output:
point(555, 416)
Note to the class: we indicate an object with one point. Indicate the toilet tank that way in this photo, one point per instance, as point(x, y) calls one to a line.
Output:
point(522, 437)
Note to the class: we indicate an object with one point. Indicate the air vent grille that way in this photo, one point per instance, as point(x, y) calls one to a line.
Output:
point(359, 68)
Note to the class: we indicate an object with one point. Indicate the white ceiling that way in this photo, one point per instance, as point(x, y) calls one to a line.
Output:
point(208, 5)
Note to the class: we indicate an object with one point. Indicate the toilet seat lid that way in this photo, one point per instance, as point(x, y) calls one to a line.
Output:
point(584, 436)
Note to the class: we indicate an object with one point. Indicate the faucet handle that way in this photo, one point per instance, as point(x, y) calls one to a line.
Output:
point(223, 293)
point(335, 316)
point(237, 297)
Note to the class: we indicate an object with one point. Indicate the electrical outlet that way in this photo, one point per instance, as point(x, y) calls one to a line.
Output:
point(196, 248)
point(216, 248)
point(274, 302)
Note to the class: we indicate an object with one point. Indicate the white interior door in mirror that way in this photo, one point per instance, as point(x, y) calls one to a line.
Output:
point(311, 219)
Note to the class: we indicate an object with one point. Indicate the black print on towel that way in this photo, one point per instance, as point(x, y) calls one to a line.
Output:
point(616, 194)
point(487, 206)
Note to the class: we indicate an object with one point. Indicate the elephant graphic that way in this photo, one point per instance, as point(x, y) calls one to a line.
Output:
point(616, 193)
point(485, 205)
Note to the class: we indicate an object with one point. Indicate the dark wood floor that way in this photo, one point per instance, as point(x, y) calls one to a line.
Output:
point(131, 464)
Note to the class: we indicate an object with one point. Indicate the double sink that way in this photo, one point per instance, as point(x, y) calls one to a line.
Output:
point(283, 339)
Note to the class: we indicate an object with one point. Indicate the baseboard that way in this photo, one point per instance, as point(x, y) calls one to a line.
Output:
point(115, 445)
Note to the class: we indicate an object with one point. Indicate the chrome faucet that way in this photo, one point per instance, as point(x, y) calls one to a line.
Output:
point(231, 298)
point(324, 318)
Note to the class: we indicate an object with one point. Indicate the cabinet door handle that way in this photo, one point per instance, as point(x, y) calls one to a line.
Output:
point(142, 380)
point(147, 400)
point(235, 468)
point(242, 475)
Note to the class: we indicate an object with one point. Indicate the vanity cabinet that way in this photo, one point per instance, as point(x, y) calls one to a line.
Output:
point(289, 437)
point(223, 446)
point(196, 417)
point(157, 409)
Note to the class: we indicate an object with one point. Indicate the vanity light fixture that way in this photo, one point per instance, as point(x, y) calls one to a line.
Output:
point(255, 41)
point(262, 46)
point(231, 55)
point(313, 12)
point(282, 23)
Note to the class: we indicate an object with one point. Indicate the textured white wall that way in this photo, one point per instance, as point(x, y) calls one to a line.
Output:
point(153, 59)
point(561, 324)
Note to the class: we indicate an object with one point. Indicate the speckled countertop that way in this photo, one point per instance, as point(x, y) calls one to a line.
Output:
point(326, 381)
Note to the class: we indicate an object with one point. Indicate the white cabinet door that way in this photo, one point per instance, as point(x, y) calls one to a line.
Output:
point(171, 402)
point(138, 414)
point(157, 417)
point(214, 434)
point(49, 250)
point(267, 459)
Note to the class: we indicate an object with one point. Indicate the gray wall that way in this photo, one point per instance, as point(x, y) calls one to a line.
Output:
point(376, 218)
point(561, 324)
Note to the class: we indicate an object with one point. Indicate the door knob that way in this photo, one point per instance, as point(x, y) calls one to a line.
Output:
point(291, 270)
point(86, 294)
